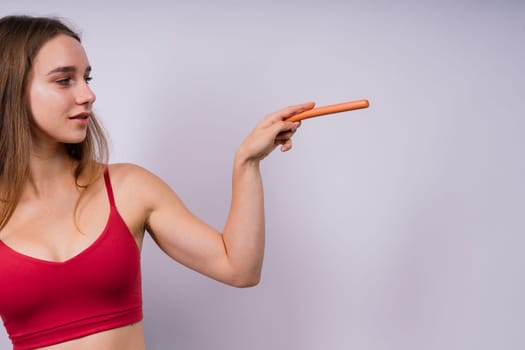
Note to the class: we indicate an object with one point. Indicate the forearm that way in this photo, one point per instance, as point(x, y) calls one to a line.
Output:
point(244, 231)
point(243, 235)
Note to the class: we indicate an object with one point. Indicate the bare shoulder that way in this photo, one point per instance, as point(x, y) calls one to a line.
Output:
point(133, 180)
point(128, 172)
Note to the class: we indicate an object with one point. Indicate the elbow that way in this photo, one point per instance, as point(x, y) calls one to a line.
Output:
point(246, 282)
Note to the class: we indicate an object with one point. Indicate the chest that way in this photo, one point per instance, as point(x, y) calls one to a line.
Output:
point(100, 283)
point(60, 227)
point(66, 265)
point(48, 229)
point(108, 265)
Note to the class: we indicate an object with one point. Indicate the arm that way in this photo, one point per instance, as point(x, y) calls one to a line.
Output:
point(235, 256)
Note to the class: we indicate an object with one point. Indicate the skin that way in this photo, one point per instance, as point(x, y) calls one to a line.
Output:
point(42, 224)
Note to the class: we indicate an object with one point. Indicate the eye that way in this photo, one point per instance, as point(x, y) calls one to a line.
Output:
point(88, 79)
point(64, 81)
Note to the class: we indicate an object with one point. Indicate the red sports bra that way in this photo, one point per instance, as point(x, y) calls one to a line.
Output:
point(44, 302)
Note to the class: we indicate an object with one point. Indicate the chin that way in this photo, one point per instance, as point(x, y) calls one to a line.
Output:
point(76, 138)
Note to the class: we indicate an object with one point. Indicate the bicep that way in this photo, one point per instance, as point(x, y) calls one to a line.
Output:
point(182, 235)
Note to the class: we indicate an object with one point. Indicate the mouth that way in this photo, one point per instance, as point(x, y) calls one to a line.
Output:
point(81, 116)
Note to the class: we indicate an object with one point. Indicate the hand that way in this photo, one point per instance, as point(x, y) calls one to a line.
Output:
point(272, 131)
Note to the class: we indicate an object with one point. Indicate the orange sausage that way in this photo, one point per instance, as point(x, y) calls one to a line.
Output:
point(330, 109)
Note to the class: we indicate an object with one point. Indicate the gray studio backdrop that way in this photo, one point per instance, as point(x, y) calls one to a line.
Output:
point(397, 227)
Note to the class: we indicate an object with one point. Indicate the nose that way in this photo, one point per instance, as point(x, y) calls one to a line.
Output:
point(85, 95)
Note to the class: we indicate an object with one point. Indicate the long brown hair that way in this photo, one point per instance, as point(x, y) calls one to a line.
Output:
point(21, 37)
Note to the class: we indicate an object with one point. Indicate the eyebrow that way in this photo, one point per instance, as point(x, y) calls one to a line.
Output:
point(67, 69)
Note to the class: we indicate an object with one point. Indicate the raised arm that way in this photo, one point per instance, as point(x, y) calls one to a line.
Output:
point(234, 257)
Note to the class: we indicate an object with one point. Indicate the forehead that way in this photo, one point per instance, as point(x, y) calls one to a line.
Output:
point(60, 51)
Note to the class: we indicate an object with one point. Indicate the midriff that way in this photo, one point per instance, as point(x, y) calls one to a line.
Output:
point(130, 337)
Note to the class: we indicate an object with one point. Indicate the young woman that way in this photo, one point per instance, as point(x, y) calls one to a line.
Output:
point(71, 226)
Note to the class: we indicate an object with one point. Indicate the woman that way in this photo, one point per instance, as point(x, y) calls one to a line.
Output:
point(71, 226)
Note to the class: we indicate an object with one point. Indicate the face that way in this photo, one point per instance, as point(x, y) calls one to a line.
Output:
point(59, 96)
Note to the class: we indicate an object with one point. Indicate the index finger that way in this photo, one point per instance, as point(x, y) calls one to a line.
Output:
point(287, 112)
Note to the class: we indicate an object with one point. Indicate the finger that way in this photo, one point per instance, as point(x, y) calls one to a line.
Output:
point(281, 127)
point(291, 110)
point(287, 112)
point(286, 146)
point(287, 130)
point(283, 136)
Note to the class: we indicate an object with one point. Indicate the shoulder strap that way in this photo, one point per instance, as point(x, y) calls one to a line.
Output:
point(109, 189)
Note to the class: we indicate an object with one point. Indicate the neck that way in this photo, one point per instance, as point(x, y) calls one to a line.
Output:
point(50, 169)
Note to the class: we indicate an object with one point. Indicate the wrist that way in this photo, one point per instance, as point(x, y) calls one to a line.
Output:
point(242, 160)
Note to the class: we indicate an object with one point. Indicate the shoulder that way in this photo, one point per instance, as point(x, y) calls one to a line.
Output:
point(130, 174)
point(127, 171)
point(134, 180)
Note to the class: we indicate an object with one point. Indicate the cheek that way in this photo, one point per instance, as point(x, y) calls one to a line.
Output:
point(45, 102)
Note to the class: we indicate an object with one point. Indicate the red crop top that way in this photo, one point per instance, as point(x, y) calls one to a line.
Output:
point(44, 302)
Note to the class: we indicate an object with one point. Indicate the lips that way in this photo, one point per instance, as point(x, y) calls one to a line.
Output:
point(82, 116)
